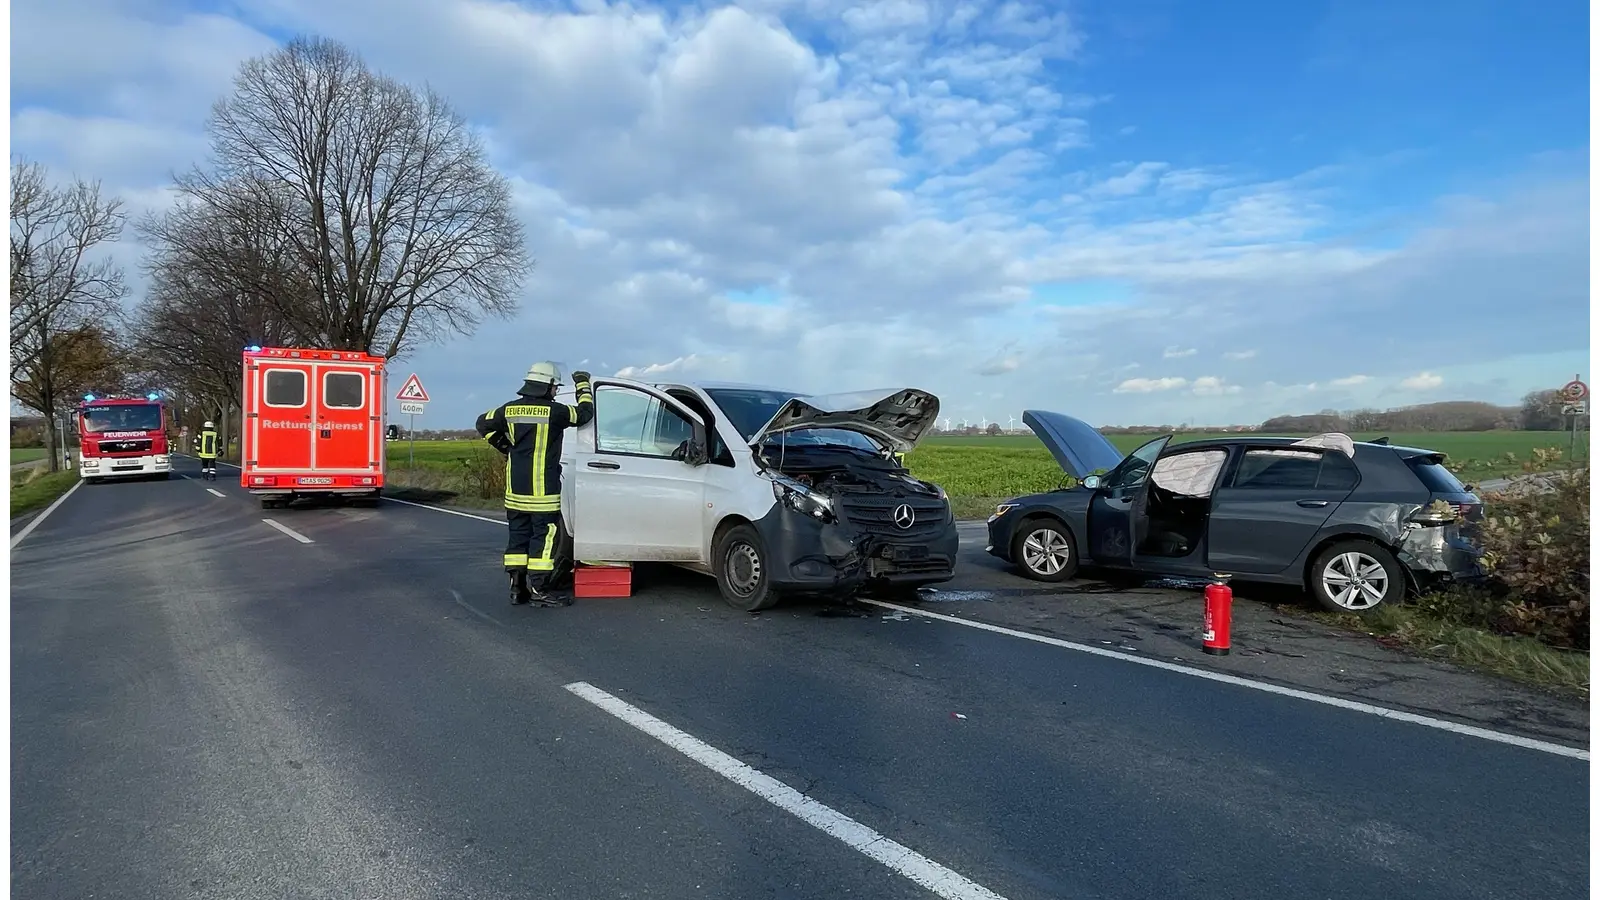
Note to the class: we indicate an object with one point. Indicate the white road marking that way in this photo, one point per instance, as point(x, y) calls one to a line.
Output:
point(453, 512)
point(216, 493)
point(1326, 700)
point(289, 531)
point(913, 865)
point(28, 528)
point(1340, 702)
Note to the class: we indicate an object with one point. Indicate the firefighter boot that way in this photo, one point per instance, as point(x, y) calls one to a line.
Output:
point(520, 594)
point(540, 595)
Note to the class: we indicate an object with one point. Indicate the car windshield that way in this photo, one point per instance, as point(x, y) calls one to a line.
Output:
point(132, 417)
point(749, 409)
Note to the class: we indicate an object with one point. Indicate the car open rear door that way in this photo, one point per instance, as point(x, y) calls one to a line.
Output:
point(631, 500)
point(1117, 516)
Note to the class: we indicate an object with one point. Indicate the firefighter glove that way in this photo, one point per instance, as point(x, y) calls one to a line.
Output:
point(580, 377)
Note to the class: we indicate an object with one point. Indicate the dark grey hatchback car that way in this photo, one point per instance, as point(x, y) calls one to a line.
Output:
point(1356, 524)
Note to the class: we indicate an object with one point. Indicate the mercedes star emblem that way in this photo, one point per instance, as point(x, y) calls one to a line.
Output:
point(904, 516)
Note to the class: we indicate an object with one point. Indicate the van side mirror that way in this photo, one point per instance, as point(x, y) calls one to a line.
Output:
point(695, 454)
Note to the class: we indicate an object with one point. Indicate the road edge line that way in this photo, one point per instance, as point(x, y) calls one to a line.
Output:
point(452, 512)
point(895, 856)
point(28, 528)
point(1382, 712)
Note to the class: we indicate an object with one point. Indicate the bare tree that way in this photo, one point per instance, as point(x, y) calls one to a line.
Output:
point(60, 284)
point(380, 192)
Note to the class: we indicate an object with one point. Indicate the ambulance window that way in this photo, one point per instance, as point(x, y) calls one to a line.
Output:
point(285, 387)
point(344, 390)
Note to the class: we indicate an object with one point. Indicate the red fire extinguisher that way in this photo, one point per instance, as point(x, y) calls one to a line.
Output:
point(1218, 634)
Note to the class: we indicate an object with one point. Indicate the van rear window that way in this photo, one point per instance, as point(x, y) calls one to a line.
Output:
point(285, 387)
point(1435, 477)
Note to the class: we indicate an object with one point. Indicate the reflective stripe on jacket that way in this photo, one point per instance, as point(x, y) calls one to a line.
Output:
point(529, 433)
point(208, 445)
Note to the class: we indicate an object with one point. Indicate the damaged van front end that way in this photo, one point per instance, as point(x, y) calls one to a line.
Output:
point(848, 515)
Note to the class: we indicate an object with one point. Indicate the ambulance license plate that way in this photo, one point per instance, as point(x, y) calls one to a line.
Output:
point(316, 481)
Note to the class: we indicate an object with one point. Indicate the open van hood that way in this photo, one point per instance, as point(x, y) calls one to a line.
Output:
point(897, 417)
point(1078, 448)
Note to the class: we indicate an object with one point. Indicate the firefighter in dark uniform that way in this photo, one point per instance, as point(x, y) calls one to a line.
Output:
point(528, 431)
point(206, 449)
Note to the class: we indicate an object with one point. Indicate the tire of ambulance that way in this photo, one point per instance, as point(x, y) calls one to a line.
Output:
point(1378, 580)
point(740, 566)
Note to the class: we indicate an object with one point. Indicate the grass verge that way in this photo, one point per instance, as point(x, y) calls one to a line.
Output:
point(26, 454)
point(1521, 659)
point(30, 494)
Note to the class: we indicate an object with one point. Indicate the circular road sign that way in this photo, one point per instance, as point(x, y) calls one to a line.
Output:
point(1574, 391)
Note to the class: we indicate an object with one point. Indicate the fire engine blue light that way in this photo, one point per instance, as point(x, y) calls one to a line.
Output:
point(88, 398)
point(152, 396)
point(252, 349)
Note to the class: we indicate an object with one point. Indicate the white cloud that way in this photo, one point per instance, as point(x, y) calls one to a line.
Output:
point(1212, 386)
point(1239, 354)
point(1177, 353)
point(1351, 380)
point(1422, 381)
point(1149, 385)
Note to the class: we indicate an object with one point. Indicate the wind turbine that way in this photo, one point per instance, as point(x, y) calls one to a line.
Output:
point(1012, 423)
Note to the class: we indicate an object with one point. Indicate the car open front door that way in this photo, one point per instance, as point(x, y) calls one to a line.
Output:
point(1117, 511)
point(634, 495)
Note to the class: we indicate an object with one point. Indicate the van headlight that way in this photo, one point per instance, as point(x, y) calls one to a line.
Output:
point(802, 501)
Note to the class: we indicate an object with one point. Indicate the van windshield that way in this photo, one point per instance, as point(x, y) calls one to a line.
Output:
point(750, 408)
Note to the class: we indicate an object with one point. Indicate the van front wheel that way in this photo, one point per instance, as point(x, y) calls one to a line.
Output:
point(741, 568)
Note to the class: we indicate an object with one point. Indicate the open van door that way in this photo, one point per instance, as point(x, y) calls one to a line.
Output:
point(636, 478)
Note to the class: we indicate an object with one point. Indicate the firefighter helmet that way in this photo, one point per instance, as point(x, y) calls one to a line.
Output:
point(210, 424)
point(543, 373)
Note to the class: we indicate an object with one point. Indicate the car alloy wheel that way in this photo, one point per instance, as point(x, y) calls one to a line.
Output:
point(1355, 580)
point(1046, 551)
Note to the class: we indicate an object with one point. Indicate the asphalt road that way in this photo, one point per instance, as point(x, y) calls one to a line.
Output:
point(204, 706)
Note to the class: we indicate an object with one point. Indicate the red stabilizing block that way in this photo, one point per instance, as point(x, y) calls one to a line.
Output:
point(602, 581)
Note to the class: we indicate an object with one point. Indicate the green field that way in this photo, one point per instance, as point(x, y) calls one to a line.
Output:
point(980, 470)
point(26, 454)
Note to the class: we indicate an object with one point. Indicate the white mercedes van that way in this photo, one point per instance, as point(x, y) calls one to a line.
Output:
point(769, 491)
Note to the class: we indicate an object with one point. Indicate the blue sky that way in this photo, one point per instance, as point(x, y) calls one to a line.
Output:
point(1131, 210)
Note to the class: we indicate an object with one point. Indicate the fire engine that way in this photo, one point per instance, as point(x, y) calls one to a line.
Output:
point(120, 437)
point(313, 424)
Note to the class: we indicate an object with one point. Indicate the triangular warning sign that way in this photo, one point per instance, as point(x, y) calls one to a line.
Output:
point(413, 390)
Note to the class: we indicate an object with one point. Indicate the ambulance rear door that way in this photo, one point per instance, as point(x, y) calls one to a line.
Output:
point(348, 433)
point(280, 423)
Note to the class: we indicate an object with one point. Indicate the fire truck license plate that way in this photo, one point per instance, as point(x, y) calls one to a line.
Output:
point(316, 481)
point(126, 465)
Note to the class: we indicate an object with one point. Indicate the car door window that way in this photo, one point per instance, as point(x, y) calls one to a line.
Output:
point(1189, 474)
point(634, 423)
point(1132, 471)
point(1278, 470)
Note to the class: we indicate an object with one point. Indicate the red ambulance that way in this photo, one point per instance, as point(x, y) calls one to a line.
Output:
point(313, 424)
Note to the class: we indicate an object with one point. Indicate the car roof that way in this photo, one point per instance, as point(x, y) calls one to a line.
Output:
point(1403, 452)
point(725, 386)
